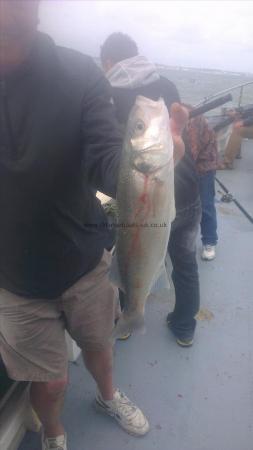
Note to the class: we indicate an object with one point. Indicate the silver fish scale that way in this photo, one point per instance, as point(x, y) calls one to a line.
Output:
point(146, 209)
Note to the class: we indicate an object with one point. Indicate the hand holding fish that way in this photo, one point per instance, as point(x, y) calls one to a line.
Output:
point(179, 117)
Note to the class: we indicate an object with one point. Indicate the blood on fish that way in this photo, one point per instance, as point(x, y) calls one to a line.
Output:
point(144, 205)
point(158, 186)
point(134, 247)
point(144, 200)
point(143, 197)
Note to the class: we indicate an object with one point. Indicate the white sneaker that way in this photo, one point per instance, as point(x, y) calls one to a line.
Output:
point(58, 443)
point(208, 252)
point(128, 415)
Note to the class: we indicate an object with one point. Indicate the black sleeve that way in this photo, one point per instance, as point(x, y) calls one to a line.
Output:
point(170, 92)
point(102, 140)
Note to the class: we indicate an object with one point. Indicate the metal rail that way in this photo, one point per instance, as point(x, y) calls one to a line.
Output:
point(233, 88)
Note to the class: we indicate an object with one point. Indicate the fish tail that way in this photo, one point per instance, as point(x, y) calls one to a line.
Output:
point(128, 323)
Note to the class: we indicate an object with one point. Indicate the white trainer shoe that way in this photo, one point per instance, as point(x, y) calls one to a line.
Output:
point(128, 415)
point(58, 443)
point(208, 252)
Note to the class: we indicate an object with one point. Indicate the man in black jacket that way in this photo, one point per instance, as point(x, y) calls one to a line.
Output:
point(131, 75)
point(58, 144)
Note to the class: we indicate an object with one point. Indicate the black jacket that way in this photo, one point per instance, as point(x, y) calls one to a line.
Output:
point(186, 181)
point(58, 144)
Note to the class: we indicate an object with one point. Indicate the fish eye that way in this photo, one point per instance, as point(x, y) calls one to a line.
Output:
point(139, 127)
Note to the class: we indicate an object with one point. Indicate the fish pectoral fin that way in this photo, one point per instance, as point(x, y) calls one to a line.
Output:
point(128, 323)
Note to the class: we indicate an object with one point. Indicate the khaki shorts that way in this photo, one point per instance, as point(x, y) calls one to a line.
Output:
point(32, 332)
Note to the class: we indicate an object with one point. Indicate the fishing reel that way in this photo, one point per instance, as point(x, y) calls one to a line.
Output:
point(227, 198)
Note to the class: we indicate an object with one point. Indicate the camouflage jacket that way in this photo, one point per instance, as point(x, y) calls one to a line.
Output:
point(203, 144)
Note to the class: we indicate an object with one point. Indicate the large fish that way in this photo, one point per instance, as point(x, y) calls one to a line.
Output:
point(146, 208)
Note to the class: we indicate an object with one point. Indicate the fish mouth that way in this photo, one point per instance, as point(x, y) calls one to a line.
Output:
point(143, 167)
point(148, 162)
point(146, 146)
point(148, 168)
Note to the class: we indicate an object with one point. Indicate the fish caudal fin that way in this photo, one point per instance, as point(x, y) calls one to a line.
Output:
point(128, 323)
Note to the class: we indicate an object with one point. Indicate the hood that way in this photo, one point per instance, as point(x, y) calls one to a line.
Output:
point(132, 73)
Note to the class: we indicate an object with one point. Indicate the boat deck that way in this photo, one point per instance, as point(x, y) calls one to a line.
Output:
point(199, 398)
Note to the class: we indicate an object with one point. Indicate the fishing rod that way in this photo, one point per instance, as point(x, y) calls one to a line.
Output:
point(246, 117)
point(248, 122)
point(197, 111)
point(244, 111)
point(229, 198)
point(223, 123)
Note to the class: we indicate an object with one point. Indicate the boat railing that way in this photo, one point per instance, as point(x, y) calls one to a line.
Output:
point(240, 87)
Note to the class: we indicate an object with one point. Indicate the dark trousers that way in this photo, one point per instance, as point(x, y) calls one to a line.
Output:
point(182, 251)
point(209, 218)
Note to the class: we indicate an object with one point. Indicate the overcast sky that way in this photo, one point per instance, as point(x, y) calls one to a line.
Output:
point(208, 34)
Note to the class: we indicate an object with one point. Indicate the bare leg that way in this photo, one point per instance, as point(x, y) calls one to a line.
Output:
point(47, 401)
point(246, 132)
point(100, 364)
point(235, 142)
point(233, 148)
point(128, 416)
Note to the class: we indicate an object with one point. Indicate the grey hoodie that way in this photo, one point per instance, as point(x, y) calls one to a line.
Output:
point(132, 73)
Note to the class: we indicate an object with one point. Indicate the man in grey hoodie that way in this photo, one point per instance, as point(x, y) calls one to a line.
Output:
point(130, 75)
